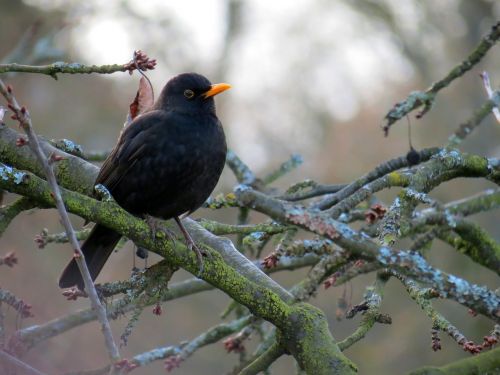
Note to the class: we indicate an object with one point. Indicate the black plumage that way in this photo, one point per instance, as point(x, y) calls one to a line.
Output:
point(165, 163)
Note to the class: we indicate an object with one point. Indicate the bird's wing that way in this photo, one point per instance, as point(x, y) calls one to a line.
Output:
point(128, 150)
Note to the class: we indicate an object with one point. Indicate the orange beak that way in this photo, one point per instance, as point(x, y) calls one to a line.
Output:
point(216, 89)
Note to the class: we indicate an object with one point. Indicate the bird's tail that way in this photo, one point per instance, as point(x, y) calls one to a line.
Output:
point(97, 248)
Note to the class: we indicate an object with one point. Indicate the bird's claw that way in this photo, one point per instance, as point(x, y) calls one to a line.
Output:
point(156, 228)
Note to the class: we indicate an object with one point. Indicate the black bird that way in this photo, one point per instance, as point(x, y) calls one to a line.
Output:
point(165, 164)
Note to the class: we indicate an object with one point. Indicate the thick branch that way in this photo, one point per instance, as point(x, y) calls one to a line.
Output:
point(247, 285)
point(444, 166)
point(33, 335)
point(481, 364)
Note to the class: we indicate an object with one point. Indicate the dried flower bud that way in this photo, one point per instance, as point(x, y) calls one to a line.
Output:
point(157, 309)
point(21, 141)
point(233, 345)
point(270, 261)
point(172, 362)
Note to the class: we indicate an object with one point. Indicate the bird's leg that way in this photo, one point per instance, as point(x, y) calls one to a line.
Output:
point(192, 245)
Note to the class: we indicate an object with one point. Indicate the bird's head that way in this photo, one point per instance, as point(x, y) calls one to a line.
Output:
point(190, 92)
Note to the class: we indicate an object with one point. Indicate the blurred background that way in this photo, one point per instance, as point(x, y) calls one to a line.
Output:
point(314, 78)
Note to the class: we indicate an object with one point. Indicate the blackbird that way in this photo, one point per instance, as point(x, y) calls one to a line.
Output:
point(166, 163)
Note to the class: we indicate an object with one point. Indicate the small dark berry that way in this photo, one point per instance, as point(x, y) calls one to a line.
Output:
point(142, 253)
point(412, 157)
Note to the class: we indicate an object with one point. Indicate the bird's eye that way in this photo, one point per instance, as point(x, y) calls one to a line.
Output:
point(189, 94)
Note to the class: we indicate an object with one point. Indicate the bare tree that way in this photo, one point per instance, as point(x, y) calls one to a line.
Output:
point(49, 174)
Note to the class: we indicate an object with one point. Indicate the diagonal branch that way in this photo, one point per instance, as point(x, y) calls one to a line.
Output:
point(22, 115)
point(479, 115)
point(245, 284)
point(21, 366)
point(426, 98)
point(262, 362)
point(9, 212)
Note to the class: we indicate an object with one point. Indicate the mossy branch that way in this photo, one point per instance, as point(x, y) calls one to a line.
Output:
point(480, 299)
point(262, 362)
point(9, 212)
point(481, 364)
point(247, 285)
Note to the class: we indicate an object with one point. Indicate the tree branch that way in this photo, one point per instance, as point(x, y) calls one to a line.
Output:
point(262, 362)
point(426, 98)
point(9, 212)
point(481, 364)
point(379, 171)
point(21, 366)
point(22, 115)
point(479, 299)
point(371, 312)
point(248, 286)
point(144, 63)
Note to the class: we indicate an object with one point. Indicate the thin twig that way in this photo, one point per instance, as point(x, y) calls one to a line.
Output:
point(422, 297)
point(379, 171)
point(475, 120)
point(22, 115)
point(491, 93)
point(174, 355)
point(242, 172)
point(22, 308)
point(426, 98)
point(262, 362)
point(23, 367)
point(371, 312)
point(142, 63)
point(316, 190)
point(294, 161)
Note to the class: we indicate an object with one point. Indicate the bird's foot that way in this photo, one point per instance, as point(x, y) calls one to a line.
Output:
point(156, 228)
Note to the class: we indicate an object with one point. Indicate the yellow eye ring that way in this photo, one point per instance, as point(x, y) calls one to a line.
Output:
point(189, 94)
